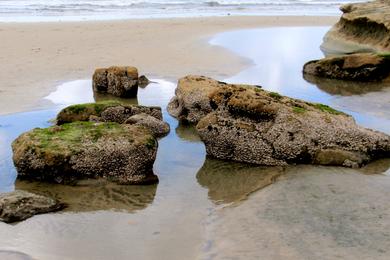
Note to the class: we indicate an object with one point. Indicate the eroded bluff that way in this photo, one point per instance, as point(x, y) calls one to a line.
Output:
point(247, 124)
point(362, 27)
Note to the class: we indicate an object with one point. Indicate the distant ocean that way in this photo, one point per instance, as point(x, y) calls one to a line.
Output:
point(53, 10)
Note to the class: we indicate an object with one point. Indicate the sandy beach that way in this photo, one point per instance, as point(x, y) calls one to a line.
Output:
point(36, 57)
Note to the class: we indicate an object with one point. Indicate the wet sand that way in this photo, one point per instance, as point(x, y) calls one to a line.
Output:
point(36, 57)
point(310, 213)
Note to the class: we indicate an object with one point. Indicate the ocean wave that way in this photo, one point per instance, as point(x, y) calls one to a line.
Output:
point(169, 8)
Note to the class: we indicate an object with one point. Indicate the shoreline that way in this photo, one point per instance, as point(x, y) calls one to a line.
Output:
point(37, 57)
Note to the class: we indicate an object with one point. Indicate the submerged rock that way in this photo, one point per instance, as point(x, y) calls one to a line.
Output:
point(362, 27)
point(118, 81)
point(363, 67)
point(81, 150)
point(247, 124)
point(20, 205)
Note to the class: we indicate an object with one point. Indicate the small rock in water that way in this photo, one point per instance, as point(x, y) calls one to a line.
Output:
point(19, 205)
point(118, 81)
point(143, 81)
point(363, 67)
point(106, 111)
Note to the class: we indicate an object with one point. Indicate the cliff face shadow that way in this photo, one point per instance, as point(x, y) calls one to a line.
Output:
point(93, 195)
point(230, 182)
point(345, 88)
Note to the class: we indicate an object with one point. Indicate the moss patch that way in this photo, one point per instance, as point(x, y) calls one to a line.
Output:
point(82, 112)
point(385, 55)
point(327, 109)
point(299, 110)
point(70, 136)
point(151, 143)
point(275, 95)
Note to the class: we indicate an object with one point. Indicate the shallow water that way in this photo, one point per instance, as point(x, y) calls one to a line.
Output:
point(205, 208)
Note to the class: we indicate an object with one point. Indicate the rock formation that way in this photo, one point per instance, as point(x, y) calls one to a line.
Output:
point(118, 81)
point(364, 67)
point(156, 126)
point(362, 27)
point(143, 81)
point(247, 124)
point(81, 150)
point(20, 205)
point(113, 111)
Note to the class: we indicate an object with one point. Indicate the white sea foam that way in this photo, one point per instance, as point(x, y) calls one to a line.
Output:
point(56, 10)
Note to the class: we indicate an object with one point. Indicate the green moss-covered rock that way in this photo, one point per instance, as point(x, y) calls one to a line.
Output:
point(83, 112)
point(79, 150)
point(106, 111)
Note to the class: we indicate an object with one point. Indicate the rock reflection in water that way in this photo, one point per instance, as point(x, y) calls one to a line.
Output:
point(376, 167)
point(187, 132)
point(345, 88)
point(93, 195)
point(103, 97)
point(14, 255)
point(337, 213)
point(229, 182)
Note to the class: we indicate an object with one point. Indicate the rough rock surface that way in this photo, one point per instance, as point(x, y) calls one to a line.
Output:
point(20, 205)
point(247, 124)
point(143, 81)
point(156, 126)
point(363, 67)
point(118, 81)
point(362, 27)
point(150, 117)
point(191, 101)
point(81, 150)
